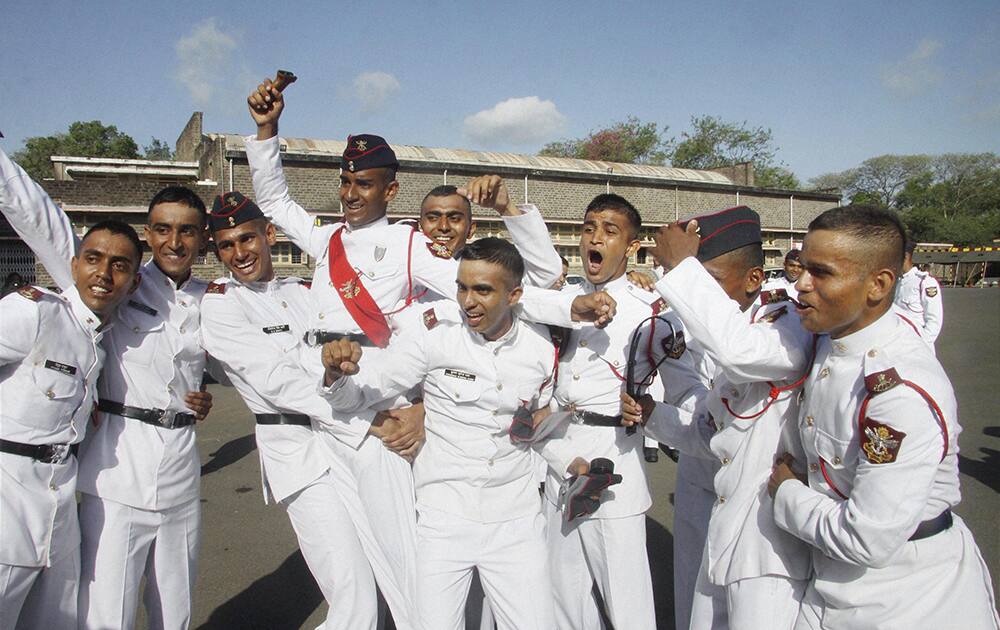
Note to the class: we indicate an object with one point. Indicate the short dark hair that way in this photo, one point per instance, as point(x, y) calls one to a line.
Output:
point(180, 194)
point(611, 201)
point(879, 229)
point(745, 258)
point(499, 252)
point(118, 227)
point(447, 190)
point(910, 244)
point(564, 261)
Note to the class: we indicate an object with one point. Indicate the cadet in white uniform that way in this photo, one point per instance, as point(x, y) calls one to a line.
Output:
point(879, 425)
point(50, 359)
point(752, 573)
point(139, 471)
point(786, 281)
point(918, 298)
point(610, 545)
point(476, 492)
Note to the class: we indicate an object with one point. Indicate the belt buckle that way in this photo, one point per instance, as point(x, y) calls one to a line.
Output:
point(58, 453)
point(575, 416)
point(166, 418)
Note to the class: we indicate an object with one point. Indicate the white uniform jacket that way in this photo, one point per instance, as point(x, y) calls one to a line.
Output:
point(919, 300)
point(49, 361)
point(739, 424)
point(781, 282)
point(256, 333)
point(591, 372)
point(154, 359)
point(472, 387)
point(874, 478)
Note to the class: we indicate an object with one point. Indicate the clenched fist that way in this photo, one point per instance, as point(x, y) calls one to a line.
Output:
point(340, 357)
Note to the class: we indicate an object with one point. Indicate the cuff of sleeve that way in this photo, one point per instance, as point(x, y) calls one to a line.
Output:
point(786, 502)
point(674, 281)
point(334, 387)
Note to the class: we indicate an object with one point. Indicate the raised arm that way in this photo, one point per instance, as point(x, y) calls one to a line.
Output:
point(38, 221)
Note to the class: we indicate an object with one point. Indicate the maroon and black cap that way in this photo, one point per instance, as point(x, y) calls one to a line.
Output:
point(793, 254)
point(725, 231)
point(231, 209)
point(366, 151)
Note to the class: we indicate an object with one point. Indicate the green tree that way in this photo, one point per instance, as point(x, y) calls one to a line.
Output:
point(877, 180)
point(83, 139)
point(630, 141)
point(157, 150)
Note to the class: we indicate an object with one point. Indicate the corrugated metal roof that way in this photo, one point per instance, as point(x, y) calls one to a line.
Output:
point(334, 148)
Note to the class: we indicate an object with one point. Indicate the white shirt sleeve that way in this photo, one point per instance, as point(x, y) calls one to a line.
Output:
point(528, 232)
point(271, 190)
point(19, 318)
point(933, 309)
point(40, 223)
point(546, 306)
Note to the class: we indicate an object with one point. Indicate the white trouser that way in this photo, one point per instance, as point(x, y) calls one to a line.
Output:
point(769, 601)
point(692, 511)
point(512, 563)
point(610, 551)
point(376, 486)
point(121, 544)
point(332, 550)
point(45, 597)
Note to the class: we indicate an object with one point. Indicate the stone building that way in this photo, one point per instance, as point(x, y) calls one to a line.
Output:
point(211, 163)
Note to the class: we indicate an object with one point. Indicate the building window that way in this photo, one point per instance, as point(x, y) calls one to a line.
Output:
point(286, 253)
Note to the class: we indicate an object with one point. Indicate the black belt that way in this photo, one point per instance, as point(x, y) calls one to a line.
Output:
point(597, 419)
point(45, 453)
point(319, 337)
point(283, 418)
point(157, 417)
point(933, 526)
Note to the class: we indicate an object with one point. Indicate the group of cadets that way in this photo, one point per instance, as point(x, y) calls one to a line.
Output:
point(428, 408)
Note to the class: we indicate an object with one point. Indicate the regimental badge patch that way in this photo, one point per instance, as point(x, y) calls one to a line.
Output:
point(30, 292)
point(880, 442)
point(773, 316)
point(931, 291)
point(674, 345)
point(773, 296)
point(430, 318)
point(217, 288)
point(439, 250)
point(883, 381)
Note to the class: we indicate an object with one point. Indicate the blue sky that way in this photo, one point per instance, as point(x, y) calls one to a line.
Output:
point(837, 82)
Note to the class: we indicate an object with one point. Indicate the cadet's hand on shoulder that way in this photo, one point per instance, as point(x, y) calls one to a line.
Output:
point(266, 104)
point(674, 243)
point(782, 472)
point(642, 280)
point(636, 411)
point(597, 307)
point(340, 357)
point(200, 403)
point(488, 191)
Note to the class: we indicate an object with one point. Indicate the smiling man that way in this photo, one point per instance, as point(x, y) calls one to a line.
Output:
point(140, 514)
point(476, 490)
point(50, 358)
point(879, 426)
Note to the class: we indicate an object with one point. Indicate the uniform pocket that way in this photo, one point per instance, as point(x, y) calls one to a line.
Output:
point(460, 387)
point(836, 453)
point(138, 336)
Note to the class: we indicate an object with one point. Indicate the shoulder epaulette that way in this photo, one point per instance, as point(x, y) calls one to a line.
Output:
point(430, 318)
point(32, 293)
point(773, 296)
point(217, 288)
point(880, 382)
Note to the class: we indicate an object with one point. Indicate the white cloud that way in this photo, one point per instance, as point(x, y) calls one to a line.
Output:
point(526, 120)
point(916, 73)
point(372, 90)
point(206, 62)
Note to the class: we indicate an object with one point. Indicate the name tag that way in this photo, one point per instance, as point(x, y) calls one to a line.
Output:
point(139, 306)
point(68, 370)
point(465, 376)
point(270, 330)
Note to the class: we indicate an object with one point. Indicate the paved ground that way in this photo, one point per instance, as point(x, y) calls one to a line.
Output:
point(252, 576)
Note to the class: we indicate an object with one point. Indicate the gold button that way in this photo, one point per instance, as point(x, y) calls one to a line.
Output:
point(135, 329)
point(872, 353)
point(725, 461)
point(491, 462)
point(53, 487)
point(722, 499)
point(734, 393)
point(284, 304)
point(496, 351)
point(824, 372)
point(813, 467)
point(837, 460)
point(499, 386)
point(841, 347)
point(495, 412)
point(50, 395)
point(331, 283)
point(809, 421)
point(90, 320)
point(576, 377)
point(616, 363)
point(321, 316)
point(182, 329)
point(583, 343)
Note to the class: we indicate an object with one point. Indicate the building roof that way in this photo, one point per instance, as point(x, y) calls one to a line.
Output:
point(332, 149)
point(66, 166)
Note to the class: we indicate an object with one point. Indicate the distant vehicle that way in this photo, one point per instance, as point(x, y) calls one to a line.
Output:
point(574, 279)
point(988, 282)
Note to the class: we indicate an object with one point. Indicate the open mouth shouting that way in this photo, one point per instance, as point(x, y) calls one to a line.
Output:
point(594, 263)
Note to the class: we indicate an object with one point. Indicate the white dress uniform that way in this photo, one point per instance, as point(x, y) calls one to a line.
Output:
point(49, 362)
point(610, 545)
point(752, 572)
point(277, 383)
point(783, 283)
point(140, 513)
point(919, 300)
point(476, 492)
point(881, 463)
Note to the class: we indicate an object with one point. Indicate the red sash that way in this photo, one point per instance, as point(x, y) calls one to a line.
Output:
point(355, 296)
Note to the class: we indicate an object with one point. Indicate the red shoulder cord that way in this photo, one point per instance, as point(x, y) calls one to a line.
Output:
point(861, 421)
point(776, 391)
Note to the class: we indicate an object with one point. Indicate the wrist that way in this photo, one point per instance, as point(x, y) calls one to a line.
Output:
point(267, 131)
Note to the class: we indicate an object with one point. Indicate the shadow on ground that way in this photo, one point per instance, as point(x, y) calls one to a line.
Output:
point(229, 453)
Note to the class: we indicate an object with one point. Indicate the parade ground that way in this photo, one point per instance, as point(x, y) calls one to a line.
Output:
point(253, 577)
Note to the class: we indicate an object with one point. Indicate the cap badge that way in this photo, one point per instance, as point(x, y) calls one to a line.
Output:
point(350, 166)
point(349, 289)
point(232, 201)
point(362, 145)
point(232, 221)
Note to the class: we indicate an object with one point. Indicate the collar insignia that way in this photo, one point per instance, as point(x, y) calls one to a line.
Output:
point(430, 318)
